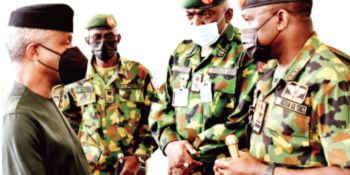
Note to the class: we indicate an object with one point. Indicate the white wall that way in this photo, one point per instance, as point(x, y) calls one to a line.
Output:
point(152, 29)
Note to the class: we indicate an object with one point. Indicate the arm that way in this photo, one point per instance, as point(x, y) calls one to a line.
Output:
point(162, 117)
point(236, 121)
point(21, 146)
point(331, 119)
point(247, 164)
point(146, 144)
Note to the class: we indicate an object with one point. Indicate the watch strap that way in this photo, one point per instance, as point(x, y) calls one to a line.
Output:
point(269, 170)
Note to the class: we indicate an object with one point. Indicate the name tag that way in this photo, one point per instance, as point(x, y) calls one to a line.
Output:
point(301, 109)
point(131, 86)
point(222, 71)
point(84, 89)
point(181, 69)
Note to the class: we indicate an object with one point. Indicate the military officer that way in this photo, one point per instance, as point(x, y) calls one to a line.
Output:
point(209, 78)
point(109, 109)
point(301, 119)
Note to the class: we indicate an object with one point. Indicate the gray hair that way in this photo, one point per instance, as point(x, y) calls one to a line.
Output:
point(17, 40)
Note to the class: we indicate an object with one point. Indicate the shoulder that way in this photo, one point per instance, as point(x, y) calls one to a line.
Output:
point(328, 65)
point(19, 124)
point(184, 46)
point(136, 68)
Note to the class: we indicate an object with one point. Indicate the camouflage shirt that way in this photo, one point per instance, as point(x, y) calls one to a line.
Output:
point(304, 118)
point(111, 118)
point(206, 124)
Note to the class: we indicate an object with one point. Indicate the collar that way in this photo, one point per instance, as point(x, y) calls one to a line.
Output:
point(121, 68)
point(310, 48)
point(300, 61)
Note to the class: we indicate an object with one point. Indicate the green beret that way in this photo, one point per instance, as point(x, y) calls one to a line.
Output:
point(201, 4)
point(102, 20)
point(246, 4)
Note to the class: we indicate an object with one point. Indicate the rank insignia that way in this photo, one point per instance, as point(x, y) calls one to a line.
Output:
point(109, 96)
point(293, 74)
point(222, 52)
point(295, 92)
point(261, 114)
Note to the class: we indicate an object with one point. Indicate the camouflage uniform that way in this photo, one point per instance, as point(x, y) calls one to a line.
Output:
point(206, 125)
point(111, 118)
point(305, 122)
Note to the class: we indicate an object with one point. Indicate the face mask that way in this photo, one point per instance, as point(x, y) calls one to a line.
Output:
point(71, 66)
point(251, 45)
point(104, 50)
point(206, 35)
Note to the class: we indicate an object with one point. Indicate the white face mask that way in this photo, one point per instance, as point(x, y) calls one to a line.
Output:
point(206, 35)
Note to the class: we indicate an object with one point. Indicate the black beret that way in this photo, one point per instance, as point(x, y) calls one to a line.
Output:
point(246, 4)
point(201, 4)
point(44, 16)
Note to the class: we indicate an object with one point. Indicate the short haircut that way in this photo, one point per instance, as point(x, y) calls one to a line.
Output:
point(17, 40)
point(301, 10)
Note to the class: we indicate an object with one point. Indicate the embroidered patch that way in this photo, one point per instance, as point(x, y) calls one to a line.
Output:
point(109, 96)
point(181, 69)
point(295, 92)
point(222, 71)
point(222, 52)
point(84, 89)
point(293, 74)
point(131, 86)
point(301, 109)
point(261, 114)
point(241, 2)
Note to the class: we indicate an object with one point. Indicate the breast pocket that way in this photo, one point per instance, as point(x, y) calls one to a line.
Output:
point(289, 133)
point(131, 104)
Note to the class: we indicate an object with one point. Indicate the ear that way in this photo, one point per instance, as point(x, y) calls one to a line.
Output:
point(283, 19)
point(87, 40)
point(32, 51)
point(229, 15)
point(119, 37)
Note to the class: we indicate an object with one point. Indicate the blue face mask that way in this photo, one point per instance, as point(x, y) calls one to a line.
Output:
point(206, 35)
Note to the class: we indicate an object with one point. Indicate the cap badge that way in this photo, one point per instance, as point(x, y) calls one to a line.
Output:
point(207, 1)
point(110, 21)
point(241, 2)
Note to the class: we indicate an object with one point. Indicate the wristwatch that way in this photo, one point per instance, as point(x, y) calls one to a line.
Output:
point(269, 170)
point(140, 159)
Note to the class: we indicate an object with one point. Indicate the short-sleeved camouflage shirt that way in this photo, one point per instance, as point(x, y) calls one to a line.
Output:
point(305, 118)
point(112, 117)
point(232, 76)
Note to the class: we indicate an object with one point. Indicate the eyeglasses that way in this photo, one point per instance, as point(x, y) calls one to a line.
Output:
point(99, 37)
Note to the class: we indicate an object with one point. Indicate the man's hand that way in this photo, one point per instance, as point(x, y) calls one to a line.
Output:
point(131, 165)
point(178, 155)
point(245, 164)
